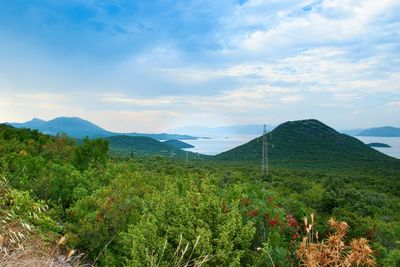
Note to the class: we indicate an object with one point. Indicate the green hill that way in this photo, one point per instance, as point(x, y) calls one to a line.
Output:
point(177, 144)
point(144, 146)
point(310, 144)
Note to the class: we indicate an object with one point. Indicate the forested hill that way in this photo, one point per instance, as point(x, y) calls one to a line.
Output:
point(177, 144)
point(310, 144)
point(144, 146)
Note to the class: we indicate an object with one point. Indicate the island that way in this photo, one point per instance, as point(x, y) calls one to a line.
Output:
point(378, 145)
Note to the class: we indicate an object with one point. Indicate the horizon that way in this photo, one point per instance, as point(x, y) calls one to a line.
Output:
point(171, 131)
point(151, 67)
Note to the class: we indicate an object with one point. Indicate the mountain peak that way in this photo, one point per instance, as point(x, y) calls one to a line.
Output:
point(37, 120)
point(69, 119)
point(309, 127)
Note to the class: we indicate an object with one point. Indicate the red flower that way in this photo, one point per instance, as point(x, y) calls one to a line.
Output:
point(252, 213)
point(291, 221)
point(273, 222)
point(295, 236)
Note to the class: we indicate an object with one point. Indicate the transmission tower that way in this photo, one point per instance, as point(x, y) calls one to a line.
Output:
point(264, 162)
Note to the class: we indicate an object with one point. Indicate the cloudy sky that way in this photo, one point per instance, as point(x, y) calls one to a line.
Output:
point(139, 65)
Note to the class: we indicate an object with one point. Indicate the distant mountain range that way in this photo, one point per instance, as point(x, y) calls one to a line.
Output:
point(78, 128)
point(310, 144)
point(256, 129)
point(386, 131)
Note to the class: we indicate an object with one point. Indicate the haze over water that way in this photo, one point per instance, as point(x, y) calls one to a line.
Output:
point(219, 144)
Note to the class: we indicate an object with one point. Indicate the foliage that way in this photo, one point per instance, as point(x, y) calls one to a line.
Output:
point(192, 217)
point(21, 218)
point(170, 212)
point(91, 152)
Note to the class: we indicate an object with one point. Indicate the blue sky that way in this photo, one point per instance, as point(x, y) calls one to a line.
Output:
point(155, 65)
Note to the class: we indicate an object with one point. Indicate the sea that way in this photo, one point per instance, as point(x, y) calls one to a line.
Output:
point(219, 144)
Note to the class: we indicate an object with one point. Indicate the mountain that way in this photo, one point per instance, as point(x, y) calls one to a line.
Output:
point(386, 131)
point(309, 144)
point(177, 144)
point(143, 146)
point(78, 128)
point(250, 129)
point(35, 123)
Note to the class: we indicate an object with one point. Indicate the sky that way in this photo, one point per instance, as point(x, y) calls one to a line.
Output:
point(139, 65)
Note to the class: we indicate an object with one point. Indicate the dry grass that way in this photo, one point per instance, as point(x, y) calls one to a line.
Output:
point(333, 251)
point(183, 256)
point(34, 252)
point(21, 245)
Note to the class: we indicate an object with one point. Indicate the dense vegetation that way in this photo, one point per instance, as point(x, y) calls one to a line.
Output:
point(158, 211)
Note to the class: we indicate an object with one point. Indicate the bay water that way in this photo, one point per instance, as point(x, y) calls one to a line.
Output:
point(219, 144)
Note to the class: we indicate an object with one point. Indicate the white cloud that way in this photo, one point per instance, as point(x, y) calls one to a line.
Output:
point(285, 28)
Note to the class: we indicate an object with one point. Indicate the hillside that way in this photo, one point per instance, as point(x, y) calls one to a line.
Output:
point(177, 144)
point(78, 128)
point(310, 144)
point(143, 146)
point(386, 131)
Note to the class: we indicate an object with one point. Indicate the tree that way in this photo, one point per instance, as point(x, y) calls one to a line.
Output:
point(91, 152)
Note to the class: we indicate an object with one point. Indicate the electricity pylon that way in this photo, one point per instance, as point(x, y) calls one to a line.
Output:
point(264, 162)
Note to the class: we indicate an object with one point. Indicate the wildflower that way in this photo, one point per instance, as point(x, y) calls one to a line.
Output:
point(273, 222)
point(252, 213)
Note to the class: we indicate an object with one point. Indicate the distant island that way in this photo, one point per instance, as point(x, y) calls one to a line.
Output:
point(378, 145)
point(386, 131)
